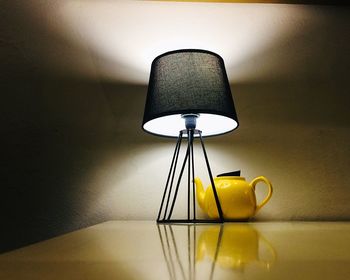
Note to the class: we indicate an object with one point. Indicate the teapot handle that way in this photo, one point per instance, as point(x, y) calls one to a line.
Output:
point(268, 183)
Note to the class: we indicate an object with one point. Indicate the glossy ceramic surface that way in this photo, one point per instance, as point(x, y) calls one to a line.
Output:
point(145, 250)
point(237, 197)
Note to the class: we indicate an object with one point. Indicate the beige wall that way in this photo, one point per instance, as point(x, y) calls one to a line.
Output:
point(295, 134)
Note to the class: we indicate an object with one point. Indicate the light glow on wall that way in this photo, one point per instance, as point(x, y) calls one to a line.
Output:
point(125, 36)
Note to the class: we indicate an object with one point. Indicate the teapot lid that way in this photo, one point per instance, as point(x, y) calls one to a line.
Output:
point(232, 173)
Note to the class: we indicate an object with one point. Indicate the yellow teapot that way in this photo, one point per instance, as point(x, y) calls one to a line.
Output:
point(236, 195)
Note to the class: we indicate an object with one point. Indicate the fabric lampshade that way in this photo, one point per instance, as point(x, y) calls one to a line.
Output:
point(189, 82)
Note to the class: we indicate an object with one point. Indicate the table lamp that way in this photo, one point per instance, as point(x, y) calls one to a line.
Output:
point(188, 97)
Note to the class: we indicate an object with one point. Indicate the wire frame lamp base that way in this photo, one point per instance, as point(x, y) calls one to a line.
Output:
point(167, 204)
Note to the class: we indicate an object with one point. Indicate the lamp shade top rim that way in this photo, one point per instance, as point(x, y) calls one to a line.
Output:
point(187, 51)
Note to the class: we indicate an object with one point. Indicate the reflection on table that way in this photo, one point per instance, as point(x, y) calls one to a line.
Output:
point(145, 250)
point(229, 247)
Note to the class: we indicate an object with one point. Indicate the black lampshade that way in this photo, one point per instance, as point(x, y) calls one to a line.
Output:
point(189, 82)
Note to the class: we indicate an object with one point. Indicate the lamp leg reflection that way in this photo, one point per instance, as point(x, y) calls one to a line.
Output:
point(221, 251)
point(167, 257)
point(174, 258)
point(177, 253)
point(218, 244)
point(189, 251)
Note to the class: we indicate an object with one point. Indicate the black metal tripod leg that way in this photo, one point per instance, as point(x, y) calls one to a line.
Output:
point(191, 135)
point(178, 184)
point(189, 176)
point(172, 179)
point(217, 201)
point(171, 171)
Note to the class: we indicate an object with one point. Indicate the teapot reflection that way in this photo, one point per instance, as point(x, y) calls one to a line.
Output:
point(234, 246)
point(211, 251)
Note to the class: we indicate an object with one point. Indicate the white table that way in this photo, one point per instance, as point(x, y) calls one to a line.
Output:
point(145, 250)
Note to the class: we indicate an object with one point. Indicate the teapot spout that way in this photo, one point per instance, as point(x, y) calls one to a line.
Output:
point(200, 192)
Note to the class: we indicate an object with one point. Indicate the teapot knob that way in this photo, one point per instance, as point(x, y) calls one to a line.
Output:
point(232, 173)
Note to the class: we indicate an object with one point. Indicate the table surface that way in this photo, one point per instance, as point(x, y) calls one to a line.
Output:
point(145, 250)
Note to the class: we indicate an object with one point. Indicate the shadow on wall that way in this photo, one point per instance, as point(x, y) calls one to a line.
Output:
point(314, 52)
point(54, 133)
